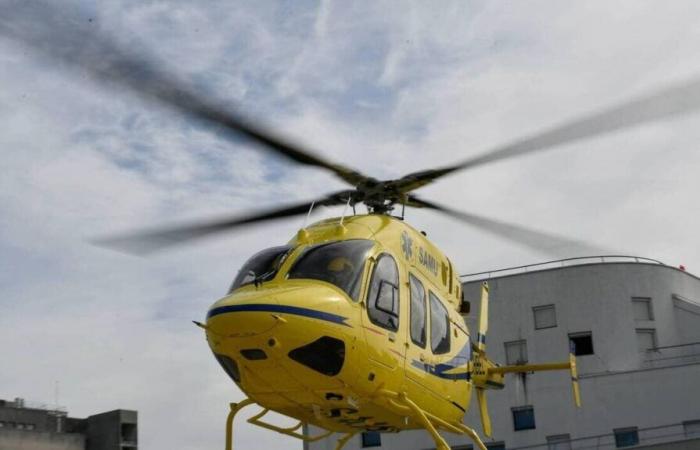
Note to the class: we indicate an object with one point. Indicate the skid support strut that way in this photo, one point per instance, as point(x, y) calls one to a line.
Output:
point(292, 431)
point(404, 405)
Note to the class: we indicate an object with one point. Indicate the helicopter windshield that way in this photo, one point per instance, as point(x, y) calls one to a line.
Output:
point(262, 266)
point(339, 263)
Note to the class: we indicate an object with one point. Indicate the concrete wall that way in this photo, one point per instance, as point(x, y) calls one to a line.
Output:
point(621, 386)
point(23, 440)
point(104, 431)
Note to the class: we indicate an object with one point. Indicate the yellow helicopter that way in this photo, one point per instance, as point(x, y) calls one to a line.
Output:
point(357, 322)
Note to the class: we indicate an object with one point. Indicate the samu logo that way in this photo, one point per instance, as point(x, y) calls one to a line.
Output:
point(406, 245)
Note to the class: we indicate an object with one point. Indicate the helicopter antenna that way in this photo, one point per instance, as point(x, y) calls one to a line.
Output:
point(306, 220)
point(346, 209)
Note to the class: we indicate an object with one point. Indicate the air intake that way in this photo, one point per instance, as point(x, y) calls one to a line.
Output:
point(230, 367)
point(325, 355)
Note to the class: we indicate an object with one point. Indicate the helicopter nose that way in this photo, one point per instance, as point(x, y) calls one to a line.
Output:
point(257, 312)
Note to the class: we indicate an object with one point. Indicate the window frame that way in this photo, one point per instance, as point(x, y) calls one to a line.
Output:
point(558, 441)
point(411, 279)
point(581, 334)
point(366, 434)
point(619, 432)
point(283, 253)
point(520, 409)
point(542, 308)
point(438, 300)
point(371, 302)
point(649, 305)
point(522, 345)
point(650, 331)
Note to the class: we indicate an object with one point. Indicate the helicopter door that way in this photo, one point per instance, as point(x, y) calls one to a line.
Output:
point(418, 382)
point(385, 348)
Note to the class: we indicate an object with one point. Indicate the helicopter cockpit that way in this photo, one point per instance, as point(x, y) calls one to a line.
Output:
point(262, 266)
point(339, 263)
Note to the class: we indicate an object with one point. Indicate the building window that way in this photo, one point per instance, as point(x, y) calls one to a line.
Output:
point(626, 437)
point(20, 426)
point(559, 442)
point(496, 445)
point(516, 352)
point(545, 317)
point(641, 308)
point(692, 428)
point(523, 418)
point(581, 343)
point(29, 426)
point(646, 339)
point(371, 439)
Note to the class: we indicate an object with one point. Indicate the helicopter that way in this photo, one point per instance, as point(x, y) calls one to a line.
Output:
point(357, 322)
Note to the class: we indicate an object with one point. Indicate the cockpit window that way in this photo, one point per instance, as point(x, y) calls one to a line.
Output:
point(263, 266)
point(340, 263)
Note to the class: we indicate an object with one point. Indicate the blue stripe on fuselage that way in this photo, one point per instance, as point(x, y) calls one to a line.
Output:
point(284, 309)
point(460, 360)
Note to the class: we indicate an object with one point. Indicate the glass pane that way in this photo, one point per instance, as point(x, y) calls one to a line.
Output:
point(384, 271)
point(641, 308)
point(371, 439)
point(645, 340)
point(545, 317)
point(439, 326)
point(626, 437)
point(523, 418)
point(417, 312)
point(262, 266)
point(516, 352)
point(559, 442)
point(339, 263)
point(692, 428)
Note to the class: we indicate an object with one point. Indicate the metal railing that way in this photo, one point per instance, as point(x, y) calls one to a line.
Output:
point(671, 355)
point(20, 403)
point(567, 262)
point(645, 436)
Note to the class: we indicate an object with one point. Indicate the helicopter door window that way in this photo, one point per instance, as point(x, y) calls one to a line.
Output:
point(340, 263)
point(417, 311)
point(262, 266)
point(383, 298)
point(439, 326)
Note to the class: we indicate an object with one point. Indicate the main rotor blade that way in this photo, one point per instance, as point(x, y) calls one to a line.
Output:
point(673, 101)
point(65, 35)
point(144, 242)
point(547, 243)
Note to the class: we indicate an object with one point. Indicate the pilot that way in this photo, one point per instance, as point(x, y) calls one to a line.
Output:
point(340, 271)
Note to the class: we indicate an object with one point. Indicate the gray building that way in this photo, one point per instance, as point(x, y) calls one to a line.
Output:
point(635, 325)
point(34, 427)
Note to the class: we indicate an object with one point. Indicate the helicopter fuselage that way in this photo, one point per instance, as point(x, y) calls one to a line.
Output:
point(349, 308)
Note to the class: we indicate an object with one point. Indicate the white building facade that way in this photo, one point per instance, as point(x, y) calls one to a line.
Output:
point(635, 324)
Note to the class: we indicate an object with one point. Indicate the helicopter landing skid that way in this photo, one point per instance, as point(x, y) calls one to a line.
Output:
point(431, 423)
point(289, 431)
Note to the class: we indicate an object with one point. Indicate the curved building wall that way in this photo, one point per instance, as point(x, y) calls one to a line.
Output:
point(623, 386)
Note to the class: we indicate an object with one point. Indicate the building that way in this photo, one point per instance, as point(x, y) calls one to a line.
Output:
point(34, 427)
point(635, 325)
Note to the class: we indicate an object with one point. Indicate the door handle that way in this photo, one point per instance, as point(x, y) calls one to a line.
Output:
point(421, 357)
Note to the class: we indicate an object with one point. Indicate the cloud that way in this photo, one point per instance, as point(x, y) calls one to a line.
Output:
point(385, 90)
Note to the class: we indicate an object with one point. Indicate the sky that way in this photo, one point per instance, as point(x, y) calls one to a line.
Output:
point(384, 89)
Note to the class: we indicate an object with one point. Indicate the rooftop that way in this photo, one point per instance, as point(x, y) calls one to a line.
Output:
point(565, 263)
